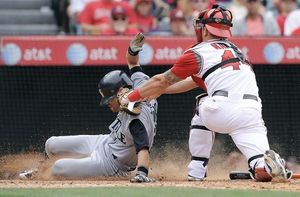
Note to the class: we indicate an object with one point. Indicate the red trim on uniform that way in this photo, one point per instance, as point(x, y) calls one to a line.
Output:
point(134, 95)
point(186, 65)
point(199, 82)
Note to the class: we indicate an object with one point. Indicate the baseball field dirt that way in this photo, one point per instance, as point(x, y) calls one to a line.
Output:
point(169, 171)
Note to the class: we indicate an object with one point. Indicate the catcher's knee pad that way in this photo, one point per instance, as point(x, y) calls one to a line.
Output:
point(200, 141)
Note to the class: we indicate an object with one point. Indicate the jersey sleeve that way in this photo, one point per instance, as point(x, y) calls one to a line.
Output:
point(139, 134)
point(138, 76)
point(188, 64)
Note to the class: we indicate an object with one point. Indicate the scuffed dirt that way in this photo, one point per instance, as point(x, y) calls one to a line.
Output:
point(169, 167)
point(213, 184)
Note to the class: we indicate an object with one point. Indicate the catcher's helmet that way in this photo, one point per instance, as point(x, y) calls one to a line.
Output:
point(217, 21)
point(111, 83)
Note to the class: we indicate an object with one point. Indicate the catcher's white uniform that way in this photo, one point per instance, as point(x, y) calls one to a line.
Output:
point(232, 106)
point(104, 155)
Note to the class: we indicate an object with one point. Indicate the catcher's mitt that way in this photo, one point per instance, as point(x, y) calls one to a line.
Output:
point(132, 108)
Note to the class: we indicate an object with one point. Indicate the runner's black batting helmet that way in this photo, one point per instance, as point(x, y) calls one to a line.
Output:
point(111, 83)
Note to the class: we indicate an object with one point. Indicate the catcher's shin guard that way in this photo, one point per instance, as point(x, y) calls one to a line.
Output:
point(200, 145)
point(197, 169)
point(201, 140)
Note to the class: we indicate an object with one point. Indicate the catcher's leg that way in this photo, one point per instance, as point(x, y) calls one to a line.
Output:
point(252, 141)
point(200, 145)
point(264, 163)
point(79, 144)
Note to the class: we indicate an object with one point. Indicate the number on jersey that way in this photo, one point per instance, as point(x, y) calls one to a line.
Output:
point(229, 55)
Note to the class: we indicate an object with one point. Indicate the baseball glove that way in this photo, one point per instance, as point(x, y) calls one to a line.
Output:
point(132, 108)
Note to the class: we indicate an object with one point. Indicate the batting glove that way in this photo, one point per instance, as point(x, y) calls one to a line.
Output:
point(141, 177)
point(136, 44)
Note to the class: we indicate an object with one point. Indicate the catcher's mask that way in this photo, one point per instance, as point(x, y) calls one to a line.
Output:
point(111, 83)
point(217, 21)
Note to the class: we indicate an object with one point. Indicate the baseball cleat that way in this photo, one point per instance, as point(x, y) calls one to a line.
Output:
point(275, 165)
point(27, 174)
point(191, 178)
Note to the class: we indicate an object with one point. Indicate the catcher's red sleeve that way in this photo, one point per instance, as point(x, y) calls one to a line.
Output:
point(186, 65)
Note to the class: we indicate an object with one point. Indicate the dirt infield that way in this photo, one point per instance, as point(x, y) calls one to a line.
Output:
point(168, 170)
point(211, 184)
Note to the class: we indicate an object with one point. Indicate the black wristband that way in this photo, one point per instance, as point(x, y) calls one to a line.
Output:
point(143, 170)
point(136, 69)
point(132, 52)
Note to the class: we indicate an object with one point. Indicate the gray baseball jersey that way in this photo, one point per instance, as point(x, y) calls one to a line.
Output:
point(121, 141)
point(105, 155)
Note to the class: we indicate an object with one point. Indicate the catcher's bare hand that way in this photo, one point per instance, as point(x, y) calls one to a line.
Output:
point(142, 178)
point(136, 44)
point(132, 108)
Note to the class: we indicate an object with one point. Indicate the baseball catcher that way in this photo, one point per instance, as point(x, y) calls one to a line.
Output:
point(232, 105)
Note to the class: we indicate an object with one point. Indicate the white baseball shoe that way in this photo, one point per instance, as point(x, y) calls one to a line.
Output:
point(27, 174)
point(192, 178)
point(275, 165)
